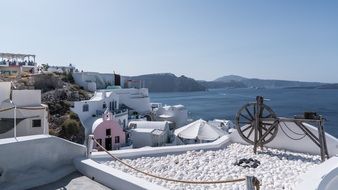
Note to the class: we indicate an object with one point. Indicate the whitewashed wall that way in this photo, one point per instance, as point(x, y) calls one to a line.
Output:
point(25, 128)
point(26, 97)
point(31, 161)
point(5, 91)
point(305, 145)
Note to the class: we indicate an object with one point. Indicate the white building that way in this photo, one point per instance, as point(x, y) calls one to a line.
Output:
point(61, 69)
point(91, 110)
point(136, 99)
point(225, 125)
point(13, 64)
point(148, 137)
point(149, 133)
point(176, 114)
point(93, 81)
point(25, 105)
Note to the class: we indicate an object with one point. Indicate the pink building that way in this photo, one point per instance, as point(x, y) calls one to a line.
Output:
point(108, 132)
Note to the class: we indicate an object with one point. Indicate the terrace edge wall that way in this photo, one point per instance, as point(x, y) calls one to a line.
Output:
point(117, 179)
point(111, 177)
point(32, 161)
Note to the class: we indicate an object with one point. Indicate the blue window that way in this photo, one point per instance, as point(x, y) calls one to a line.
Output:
point(85, 108)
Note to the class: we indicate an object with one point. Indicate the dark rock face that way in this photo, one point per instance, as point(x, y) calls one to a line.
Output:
point(47, 82)
point(168, 82)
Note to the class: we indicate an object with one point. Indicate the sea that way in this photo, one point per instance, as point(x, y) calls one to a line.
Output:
point(225, 103)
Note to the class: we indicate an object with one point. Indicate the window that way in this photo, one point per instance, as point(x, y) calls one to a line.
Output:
point(111, 106)
point(108, 132)
point(36, 123)
point(117, 139)
point(132, 125)
point(104, 106)
point(85, 108)
point(115, 104)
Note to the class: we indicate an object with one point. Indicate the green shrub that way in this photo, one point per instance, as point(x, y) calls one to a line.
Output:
point(73, 115)
point(67, 77)
point(72, 130)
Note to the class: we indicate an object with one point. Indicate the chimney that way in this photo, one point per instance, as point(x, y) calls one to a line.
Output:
point(117, 78)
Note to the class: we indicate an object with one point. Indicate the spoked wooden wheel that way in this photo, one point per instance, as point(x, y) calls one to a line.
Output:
point(246, 123)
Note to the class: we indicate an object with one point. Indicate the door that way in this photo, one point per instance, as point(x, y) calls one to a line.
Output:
point(108, 143)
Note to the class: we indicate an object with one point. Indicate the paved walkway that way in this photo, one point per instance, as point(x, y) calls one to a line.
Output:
point(74, 181)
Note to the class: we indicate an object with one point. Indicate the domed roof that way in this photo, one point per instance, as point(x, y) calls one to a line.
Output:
point(106, 117)
point(96, 124)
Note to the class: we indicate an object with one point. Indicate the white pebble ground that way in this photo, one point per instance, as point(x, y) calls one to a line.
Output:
point(278, 169)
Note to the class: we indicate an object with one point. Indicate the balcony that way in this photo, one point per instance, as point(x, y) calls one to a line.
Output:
point(116, 113)
point(31, 64)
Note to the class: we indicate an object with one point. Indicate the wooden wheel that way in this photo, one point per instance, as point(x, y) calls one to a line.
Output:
point(267, 124)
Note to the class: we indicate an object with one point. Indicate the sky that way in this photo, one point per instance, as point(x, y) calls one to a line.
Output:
point(275, 39)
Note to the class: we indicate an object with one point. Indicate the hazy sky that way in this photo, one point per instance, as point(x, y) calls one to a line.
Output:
point(280, 39)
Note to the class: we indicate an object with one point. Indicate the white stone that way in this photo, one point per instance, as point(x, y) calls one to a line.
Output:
point(279, 169)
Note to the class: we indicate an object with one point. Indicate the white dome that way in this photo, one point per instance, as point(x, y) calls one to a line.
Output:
point(96, 124)
point(199, 129)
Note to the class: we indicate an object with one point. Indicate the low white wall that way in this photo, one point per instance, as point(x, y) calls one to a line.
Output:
point(111, 177)
point(31, 161)
point(157, 151)
point(117, 179)
point(305, 145)
point(321, 177)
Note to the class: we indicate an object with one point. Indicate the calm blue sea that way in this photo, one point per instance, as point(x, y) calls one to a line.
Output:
point(224, 103)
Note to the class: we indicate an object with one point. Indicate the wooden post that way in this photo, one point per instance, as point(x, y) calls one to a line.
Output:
point(15, 121)
point(90, 144)
point(324, 137)
point(252, 183)
point(322, 141)
point(259, 103)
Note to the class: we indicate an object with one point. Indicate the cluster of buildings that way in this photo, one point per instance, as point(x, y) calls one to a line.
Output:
point(13, 64)
point(117, 117)
point(119, 114)
point(60, 69)
point(120, 117)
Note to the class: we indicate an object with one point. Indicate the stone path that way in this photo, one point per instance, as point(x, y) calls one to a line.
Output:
point(73, 181)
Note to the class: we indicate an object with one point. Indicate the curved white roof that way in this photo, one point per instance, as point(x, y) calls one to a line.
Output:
point(200, 130)
point(96, 124)
point(101, 95)
point(179, 106)
point(161, 125)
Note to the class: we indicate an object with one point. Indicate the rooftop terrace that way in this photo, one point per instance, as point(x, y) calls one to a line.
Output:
point(276, 169)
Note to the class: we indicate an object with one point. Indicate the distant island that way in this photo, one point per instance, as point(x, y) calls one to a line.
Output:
point(230, 80)
point(168, 82)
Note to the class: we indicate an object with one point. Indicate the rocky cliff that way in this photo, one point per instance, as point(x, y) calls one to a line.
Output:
point(167, 82)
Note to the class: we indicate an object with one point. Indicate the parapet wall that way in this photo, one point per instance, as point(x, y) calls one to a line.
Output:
point(298, 143)
point(32, 161)
point(117, 179)
point(164, 150)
